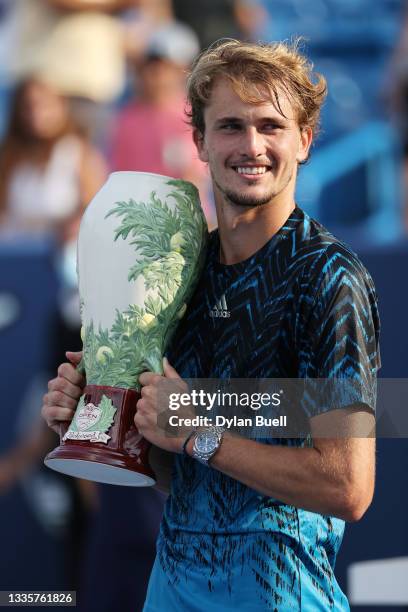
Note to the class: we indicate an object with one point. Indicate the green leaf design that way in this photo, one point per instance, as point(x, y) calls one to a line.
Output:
point(81, 404)
point(170, 243)
point(108, 413)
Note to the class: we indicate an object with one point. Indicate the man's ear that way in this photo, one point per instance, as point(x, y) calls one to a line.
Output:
point(199, 142)
point(306, 138)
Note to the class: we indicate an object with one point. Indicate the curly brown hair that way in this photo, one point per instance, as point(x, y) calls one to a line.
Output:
point(257, 72)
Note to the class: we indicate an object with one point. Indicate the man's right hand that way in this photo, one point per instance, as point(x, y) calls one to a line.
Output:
point(64, 391)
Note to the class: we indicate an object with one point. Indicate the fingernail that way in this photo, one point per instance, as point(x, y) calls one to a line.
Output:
point(165, 362)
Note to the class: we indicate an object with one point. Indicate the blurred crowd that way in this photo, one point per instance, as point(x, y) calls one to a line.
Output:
point(88, 87)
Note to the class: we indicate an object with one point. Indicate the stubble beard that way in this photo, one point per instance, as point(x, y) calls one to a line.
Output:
point(248, 201)
point(245, 200)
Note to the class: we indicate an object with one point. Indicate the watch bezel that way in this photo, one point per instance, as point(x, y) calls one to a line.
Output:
point(207, 436)
point(204, 456)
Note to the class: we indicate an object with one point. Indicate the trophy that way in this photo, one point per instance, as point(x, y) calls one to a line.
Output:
point(141, 248)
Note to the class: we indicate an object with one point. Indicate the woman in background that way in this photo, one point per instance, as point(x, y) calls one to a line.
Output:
point(48, 169)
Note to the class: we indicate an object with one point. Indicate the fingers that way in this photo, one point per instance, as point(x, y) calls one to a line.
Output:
point(64, 391)
point(55, 415)
point(65, 386)
point(57, 408)
point(171, 373)
point(74, 356)
point(68, 372)
point(149, 378)
point(60, 399)
point(141, 405)
point(148, 391)
point(168, 369)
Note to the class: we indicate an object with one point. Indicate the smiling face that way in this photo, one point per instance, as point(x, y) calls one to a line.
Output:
point(252, 150)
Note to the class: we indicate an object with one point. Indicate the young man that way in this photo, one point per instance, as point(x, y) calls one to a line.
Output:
point(258, 526)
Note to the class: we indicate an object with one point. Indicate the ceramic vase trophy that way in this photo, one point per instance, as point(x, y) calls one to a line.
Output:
point(141, 247)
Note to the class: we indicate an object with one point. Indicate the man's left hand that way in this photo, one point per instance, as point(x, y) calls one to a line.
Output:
point(154, 401)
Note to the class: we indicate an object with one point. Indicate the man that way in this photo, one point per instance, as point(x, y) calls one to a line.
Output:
point(259, 525)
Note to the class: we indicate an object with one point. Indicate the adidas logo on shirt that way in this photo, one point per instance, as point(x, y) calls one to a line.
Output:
point(220, 310)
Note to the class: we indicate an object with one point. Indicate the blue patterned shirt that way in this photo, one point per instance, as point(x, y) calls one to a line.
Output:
point(302, 306)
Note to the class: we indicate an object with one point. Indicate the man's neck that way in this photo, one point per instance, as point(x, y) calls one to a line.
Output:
point(243, 231)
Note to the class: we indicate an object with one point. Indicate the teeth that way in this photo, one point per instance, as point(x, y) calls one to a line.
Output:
point(251, 170)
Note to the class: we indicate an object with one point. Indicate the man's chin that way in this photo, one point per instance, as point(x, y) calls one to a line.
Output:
point(252, 196)
point(248, 200)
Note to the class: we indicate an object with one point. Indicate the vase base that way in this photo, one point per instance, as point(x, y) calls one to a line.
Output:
point(122, 459)
point(99, 467)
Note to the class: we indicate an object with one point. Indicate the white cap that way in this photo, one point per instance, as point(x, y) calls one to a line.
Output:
point(176, 42)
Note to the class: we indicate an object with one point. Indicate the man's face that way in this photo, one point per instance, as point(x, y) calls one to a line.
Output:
point(251, 149)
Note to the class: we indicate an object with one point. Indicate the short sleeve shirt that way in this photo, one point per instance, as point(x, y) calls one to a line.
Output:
point(302, 306)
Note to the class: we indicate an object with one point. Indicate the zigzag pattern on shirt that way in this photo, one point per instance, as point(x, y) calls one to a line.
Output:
point(302, 306)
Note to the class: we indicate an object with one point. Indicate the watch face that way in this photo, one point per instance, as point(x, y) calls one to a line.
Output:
point(206, 442)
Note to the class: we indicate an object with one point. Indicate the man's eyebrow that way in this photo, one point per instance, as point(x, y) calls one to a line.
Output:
point(228, 120)
point(279, 119)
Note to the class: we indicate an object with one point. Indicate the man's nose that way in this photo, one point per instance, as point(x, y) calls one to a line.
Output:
point(252, 143)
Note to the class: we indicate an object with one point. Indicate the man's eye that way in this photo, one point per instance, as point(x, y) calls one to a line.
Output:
point(271, 126)
point(230, 126)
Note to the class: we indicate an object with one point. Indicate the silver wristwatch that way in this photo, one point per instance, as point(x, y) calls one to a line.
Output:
point(206, 443)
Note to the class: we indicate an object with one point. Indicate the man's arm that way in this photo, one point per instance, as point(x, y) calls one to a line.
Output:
point(334, 477)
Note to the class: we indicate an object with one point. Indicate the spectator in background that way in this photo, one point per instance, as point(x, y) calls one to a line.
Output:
point(38, 29)
point(48, 169)
point(151, 134)
point(77, 45)
point(147, 17)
